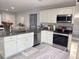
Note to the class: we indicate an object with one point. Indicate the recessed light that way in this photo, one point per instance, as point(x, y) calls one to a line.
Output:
point(12, 7)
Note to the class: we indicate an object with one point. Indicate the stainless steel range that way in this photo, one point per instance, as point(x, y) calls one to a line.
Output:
point(60, 40)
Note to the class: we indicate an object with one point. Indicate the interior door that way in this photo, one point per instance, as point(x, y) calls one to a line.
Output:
point(33, 21)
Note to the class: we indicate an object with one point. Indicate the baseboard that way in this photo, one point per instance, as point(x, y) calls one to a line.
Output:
point(36, 44)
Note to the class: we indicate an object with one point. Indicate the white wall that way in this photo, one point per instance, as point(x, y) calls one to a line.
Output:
point(8, 16)
point(24, 17)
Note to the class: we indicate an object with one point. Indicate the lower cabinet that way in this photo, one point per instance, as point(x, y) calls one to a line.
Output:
point(20, 45)
point(10, 48)
point(15, 44)
point(24, 42)
point(47, 37)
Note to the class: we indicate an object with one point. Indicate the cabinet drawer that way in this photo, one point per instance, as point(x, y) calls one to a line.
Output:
point(30, 35)
point(11, 38)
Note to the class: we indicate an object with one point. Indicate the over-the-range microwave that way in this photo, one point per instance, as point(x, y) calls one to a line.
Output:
point(64, 18)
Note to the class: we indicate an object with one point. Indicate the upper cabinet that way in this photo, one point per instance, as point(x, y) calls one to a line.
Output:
point(50, 15)
point(67, 10)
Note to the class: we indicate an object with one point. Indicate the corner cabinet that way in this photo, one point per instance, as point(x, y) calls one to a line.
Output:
point(47, 37)
point(14, 44)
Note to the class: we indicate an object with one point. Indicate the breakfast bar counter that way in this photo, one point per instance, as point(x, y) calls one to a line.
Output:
point(15, 43)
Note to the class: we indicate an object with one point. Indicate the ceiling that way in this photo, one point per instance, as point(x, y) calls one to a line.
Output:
point(22, 5)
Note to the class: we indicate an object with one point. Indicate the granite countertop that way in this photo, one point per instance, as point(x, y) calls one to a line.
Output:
point(15, 33)
point(27, 31)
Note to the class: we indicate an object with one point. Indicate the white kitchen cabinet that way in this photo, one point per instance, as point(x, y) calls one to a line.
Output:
point(43, 36)
point(20, 43)
point(47, 37)
point(47, 16)
point(9, 46)
point(30, 39)
point(67, 10)
point(24, 41)
point(50, 15)
point(12, 45)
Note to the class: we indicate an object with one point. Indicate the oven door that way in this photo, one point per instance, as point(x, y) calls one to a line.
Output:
point(60, 40)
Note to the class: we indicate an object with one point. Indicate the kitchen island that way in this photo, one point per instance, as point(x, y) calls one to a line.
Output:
point(15, 43)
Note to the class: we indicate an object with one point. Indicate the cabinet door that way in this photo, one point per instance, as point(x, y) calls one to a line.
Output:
point(47, 37)
point(43, 16)
point(24, 41)
point(48, 16)
point(10, 47)
point(43, 36)
point(30, 39)
point(20, 43)
point(50, 37)
point(67, 10)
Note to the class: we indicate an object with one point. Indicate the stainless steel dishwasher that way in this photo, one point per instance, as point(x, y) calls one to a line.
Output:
point(37, 37)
